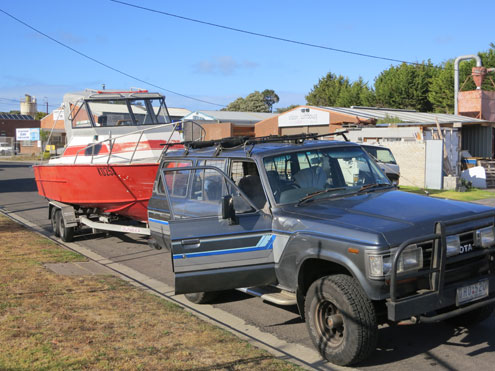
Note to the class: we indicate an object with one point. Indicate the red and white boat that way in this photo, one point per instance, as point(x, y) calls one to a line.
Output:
point(114, 143)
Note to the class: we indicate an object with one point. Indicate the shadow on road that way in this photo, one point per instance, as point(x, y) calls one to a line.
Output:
point(18, 185)
point(397, 343)
point(87, 234)
point(14, 164)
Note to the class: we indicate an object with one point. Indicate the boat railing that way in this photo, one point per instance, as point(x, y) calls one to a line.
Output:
point(112, 140)
point(179, 125)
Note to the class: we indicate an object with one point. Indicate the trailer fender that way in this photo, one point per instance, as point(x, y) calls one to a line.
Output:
point(68, 213)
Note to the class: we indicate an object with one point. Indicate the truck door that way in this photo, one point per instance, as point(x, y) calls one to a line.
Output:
point(210, 251)
point(158, 207)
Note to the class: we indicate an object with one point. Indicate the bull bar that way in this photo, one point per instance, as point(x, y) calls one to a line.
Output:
point(439, 295)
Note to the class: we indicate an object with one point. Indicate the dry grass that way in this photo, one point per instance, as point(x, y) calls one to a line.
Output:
point(48, 321)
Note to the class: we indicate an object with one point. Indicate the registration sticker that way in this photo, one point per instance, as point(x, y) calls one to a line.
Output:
point(472, 292)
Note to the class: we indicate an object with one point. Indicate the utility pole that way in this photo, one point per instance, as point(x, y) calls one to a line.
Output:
point(46, 100)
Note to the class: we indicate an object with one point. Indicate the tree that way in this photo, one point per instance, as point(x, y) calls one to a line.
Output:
point(39, 115)
point(254, 102)
point(285, 109)
point(406, 86)
point(333, 90)
point(270, 98)
point(356, 94)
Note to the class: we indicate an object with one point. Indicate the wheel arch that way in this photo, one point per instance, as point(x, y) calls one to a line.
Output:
point(317, 257)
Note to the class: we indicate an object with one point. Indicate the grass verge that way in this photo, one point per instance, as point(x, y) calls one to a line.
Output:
point(472, 194)
point(21, 158)
point(53, 322)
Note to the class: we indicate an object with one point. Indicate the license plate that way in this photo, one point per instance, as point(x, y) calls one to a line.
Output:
point(472, 292)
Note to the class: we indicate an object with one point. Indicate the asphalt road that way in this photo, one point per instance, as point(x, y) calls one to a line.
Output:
point(407, 346)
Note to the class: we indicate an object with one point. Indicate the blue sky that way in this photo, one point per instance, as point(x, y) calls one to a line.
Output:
point(219, 65)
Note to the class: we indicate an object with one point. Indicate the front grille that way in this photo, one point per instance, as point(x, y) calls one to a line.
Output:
point(457, 269)
point(465, 266)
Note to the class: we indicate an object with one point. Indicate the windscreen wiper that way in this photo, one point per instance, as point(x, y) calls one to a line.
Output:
point(311, 196)
point(373, 185)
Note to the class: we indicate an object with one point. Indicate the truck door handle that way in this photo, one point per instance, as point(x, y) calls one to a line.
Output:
point(192, 243)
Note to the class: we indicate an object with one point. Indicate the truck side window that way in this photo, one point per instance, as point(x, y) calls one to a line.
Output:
point(176, 180)
point(205, 182)
point(205, 200)
point(245, 175)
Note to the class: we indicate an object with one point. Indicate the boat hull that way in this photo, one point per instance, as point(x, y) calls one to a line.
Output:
point(120, 189)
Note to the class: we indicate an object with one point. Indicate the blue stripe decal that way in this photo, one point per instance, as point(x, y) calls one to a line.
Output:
point(259, 247)
point(158, 221)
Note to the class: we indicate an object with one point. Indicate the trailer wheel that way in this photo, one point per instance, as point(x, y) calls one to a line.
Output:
point(66, 233)
point(341, 320)
point(53, 220)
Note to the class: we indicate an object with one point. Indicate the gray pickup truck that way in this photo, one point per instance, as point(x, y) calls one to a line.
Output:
point(316, 223)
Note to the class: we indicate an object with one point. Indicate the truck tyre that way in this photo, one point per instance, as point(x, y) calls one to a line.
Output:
point(201, 297)
point(341, 320)
point(53, 220)
point(473, 317)
point(65, 233)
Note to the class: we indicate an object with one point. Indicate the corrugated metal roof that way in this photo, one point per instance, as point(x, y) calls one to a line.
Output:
point(404, 115)
point(181, 112)
point(234, 115)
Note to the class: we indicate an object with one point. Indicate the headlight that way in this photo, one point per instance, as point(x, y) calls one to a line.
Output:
point(410, 259)
point(453, 245)
point(379, 265)
point(485, 237)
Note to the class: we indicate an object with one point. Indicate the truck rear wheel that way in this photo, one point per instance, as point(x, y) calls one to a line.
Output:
point(53, 220)
point(341, 320)
point(201, 297)
point(65, 233)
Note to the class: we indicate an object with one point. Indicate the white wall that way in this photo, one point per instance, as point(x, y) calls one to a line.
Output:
point(410, 156)
point(407, 145)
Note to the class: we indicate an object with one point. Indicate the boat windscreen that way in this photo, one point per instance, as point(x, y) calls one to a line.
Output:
point(128, 112)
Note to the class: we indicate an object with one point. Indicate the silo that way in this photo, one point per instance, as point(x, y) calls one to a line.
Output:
point(29, 106)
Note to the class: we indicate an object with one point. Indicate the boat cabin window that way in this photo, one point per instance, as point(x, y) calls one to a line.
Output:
point(162, 116)
point(110, 113)
point(79, 115)
point(123, 112)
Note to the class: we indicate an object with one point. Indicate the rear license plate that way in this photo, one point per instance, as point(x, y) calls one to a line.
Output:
point(472, 292)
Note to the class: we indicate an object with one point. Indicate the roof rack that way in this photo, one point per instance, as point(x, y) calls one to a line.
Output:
point(244, 141)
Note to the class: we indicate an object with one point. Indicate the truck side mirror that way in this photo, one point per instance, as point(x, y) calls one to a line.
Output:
point(228, 210)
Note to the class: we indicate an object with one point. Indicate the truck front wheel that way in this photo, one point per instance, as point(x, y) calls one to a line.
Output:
point(341, 320)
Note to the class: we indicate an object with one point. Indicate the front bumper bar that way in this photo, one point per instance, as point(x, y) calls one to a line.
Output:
point(439, 295)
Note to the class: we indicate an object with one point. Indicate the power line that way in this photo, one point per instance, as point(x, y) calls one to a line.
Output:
point(265, 35)
point(104, 64)
point(18, 101)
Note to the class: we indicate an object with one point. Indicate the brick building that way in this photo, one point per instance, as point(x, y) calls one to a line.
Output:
point(8, 125)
